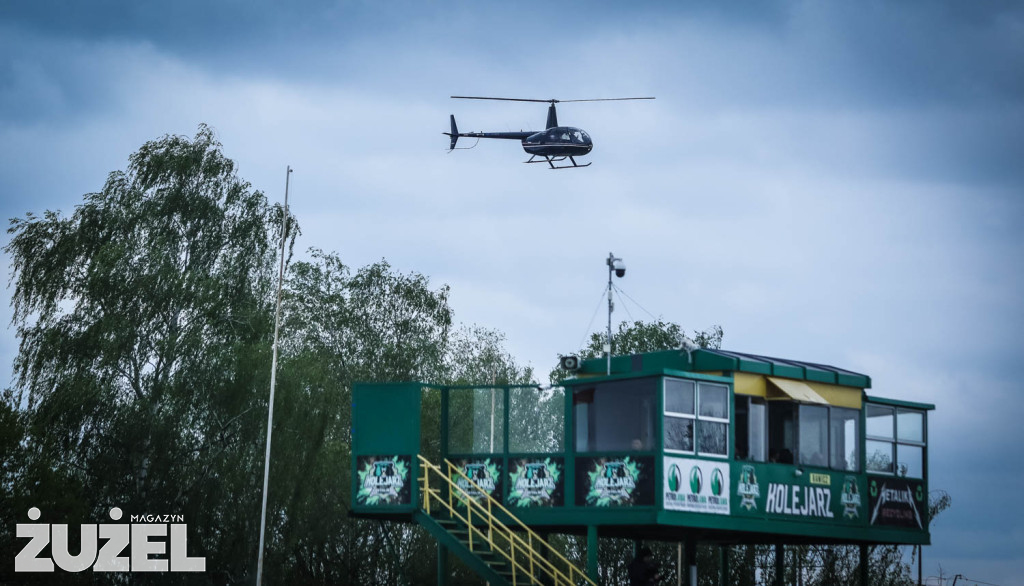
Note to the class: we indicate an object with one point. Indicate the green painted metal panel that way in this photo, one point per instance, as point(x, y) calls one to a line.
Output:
point(754, 366)
point(787, 370)
point(853, 380)
point(820, 376)
point(714, 360)
point(385, 445)
point(386, 418)
point(898, 403)
point(711, 361)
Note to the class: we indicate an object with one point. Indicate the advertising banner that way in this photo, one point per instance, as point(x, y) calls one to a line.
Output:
point(615, 481)
point(536, 482)
point(485, 473)
point(771, 491)
point(696, 486)
point(384, 480)
point(897, 502)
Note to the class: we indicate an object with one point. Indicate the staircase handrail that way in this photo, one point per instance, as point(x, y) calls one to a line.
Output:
point(491, 520)
point(546, 565)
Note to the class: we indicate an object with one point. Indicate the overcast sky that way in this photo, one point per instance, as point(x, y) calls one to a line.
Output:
point(833, 182)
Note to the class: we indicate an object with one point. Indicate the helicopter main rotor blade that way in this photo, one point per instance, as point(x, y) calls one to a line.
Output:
point(502, 99)
point(604, 100)
point(551, 101)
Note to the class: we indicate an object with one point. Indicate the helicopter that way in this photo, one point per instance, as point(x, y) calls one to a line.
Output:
point(552, 145)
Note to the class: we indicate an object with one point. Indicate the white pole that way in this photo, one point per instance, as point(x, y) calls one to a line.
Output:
point(679, 564)
point(273, 380)
point(611, 307)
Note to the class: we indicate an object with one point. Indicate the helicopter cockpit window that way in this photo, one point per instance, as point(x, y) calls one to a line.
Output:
point(577, 136)
point(565, 136)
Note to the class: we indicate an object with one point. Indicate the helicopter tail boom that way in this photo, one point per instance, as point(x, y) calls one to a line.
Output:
point(455, 134)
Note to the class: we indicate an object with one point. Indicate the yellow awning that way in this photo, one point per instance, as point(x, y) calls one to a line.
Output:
point(796, 390)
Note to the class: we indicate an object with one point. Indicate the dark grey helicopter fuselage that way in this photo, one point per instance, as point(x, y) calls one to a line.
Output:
point(559, 141)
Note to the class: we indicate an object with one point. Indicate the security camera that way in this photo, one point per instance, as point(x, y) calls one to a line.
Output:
point(617, 265)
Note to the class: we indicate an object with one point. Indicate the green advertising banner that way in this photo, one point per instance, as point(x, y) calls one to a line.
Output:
point(536, 482)
point(770, 491)
point(383, 480)
point(624, 481)
point(485, 473)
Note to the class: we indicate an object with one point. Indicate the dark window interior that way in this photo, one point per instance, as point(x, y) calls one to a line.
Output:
point(615, 416)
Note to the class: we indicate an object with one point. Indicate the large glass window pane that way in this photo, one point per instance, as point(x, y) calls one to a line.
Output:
point(843, 439)
point(713, 438)
point(679, 396)
point(879, 456)
point(678, 433)
point(879, 421)
point(781, 431)
point(714, 401)
point(615, 416)
point(910, 425)
point(910, 461)
point(758, 438)
point(536, 420)
point(813, 435)
point(741, 415)
point(476, 421)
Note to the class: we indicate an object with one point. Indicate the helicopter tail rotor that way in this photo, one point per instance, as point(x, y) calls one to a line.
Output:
point(454, 134)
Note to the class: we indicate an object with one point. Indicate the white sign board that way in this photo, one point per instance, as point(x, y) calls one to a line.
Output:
point(696, 486)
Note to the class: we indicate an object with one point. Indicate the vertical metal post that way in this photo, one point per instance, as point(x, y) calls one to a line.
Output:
point(780, 564)
point(273, 380)
point(919, 553)
point(442, 565)
point(691, 561)
point(592, 552)
point(864, 557)
point(679, 564)
point(611, 307)
point(723, 576)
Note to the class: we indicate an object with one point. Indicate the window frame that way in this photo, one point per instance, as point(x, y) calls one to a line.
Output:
point(748, 402)
point(665, 413)
point(895, 442)
point(695, 418)
point(727, 421)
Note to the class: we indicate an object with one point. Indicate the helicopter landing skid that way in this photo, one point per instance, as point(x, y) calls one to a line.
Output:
point(552, 160)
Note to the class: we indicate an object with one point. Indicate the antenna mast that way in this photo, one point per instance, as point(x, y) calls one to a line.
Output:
point(619, 268)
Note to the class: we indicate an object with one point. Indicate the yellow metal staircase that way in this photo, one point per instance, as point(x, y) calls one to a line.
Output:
point(502, 550)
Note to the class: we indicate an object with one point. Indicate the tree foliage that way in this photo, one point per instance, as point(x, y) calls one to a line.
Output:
point(141, 319)
point(145, 321)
